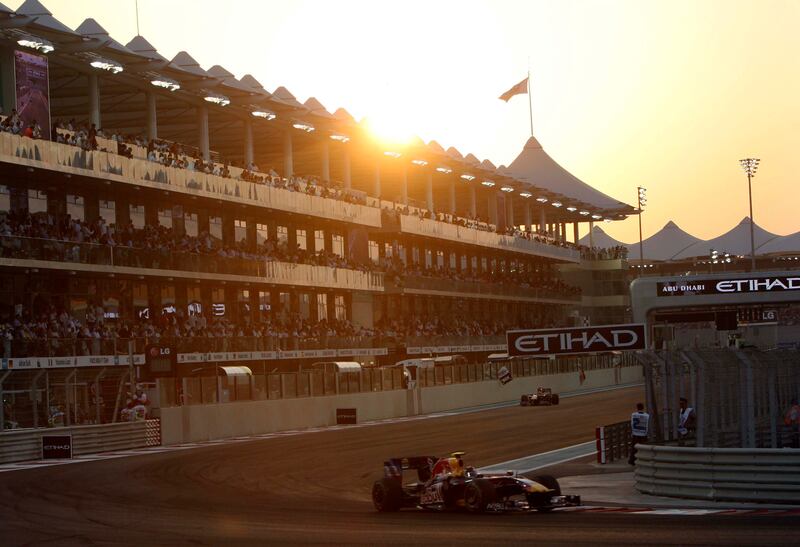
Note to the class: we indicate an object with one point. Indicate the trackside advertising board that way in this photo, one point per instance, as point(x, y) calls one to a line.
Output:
point(741, 285)
point(576, 340)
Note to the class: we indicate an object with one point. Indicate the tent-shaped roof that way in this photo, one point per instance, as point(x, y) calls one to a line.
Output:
point(788, 244)
point(186, 62)
point(600, 239)
point(471, 159)
point(44, 18)
point(316, 108)
point(735, 241)
point(92, 29)
point(454, 153)
point(230, 80)
point(285, 96)
point(436, 147)
point(534, 166)
point(253, 84)
point(344, 115)
point(488, 166)
point(144, 48)
point(665, 244)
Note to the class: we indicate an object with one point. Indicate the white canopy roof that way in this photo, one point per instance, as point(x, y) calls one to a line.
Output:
point(600, 239)
point(735, 241)
point(665, 244)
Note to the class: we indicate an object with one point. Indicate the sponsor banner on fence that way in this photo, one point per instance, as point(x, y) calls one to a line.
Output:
point(737, 285)
point(423, 350)
point(576, 340)
point(346, 416)
point(56, 447)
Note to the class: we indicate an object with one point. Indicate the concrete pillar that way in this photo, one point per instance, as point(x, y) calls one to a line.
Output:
point(377, 190)
point(429, 191)
point(528, 218)
point(509, 211)
point(542, 220)
point(492, 201)
point(202, 128)
point(591, 233)
point(348, 183)
point(473, 201)
point(451, 194)
point(152, 116)
point(94, 101)
point(288, 168)
point(248, 142)
point(325, 158)
point(404, 185)
point(575, 233)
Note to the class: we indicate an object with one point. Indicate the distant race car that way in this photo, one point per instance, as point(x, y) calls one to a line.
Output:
point(543, 396)
point(444, 484)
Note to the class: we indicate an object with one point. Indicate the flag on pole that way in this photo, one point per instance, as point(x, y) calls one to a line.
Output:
point(518, 89)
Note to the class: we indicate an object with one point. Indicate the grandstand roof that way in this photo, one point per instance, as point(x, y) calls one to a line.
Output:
point(665, 244)
point(600, 239)
point(735, 241)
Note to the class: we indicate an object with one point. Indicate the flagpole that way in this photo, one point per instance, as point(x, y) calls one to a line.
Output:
point(530, 106)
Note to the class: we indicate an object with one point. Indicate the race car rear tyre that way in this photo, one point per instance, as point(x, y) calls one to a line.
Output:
point(524, 401)
point(387, 495)
point(554, 398)
point(477, 495)
point(550, 482)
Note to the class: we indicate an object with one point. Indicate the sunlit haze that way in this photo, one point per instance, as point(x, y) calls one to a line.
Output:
point(666, 95)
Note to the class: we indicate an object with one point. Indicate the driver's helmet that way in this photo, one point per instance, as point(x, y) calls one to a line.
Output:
point(456, 464)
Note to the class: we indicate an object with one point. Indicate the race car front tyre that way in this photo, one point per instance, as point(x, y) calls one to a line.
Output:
point(524, 401)
point(387, 495)
point(554, 398)
point(477, 495)
point(548, 481)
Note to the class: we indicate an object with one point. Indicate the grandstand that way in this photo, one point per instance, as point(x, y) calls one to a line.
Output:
point(151, 200)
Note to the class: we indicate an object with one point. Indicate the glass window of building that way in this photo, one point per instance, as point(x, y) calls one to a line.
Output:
point(304, 302)
point(319, 240)
point(108, 211)
point(264, 303)
point(415, 255)
point(452, 261)
point(337, 242)
point(137, 215)
point(463, 262)
point(165, 217)
point(5, 198)
point(190, 224)
point(140, 301)
point(302, 239)
point(440, 259)
point(474, 263)
point(374, 255)
point(388, 250)
point(341, 307)
point(168, 298)
point(428, 258)
point(401, 252)
point(195, 305)
point(215, 227)
point(239, 230)
point(243, 299)
point(284, 303)
point(322, 306)
point(262, 233)
point(218, 302)
point(75, 207)
point(37, 201)
point(283, 235)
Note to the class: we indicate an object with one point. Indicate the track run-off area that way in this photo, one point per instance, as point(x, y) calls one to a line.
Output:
point(315, 488)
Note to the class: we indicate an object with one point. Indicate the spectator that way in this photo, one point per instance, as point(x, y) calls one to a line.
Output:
point(687, 421)
point(791, 419)
point(640, 429)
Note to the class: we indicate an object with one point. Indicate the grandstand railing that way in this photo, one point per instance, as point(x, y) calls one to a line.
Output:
point(26, 248)
point(484, 289)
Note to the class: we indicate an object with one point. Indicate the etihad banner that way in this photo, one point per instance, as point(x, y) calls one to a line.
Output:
point(33, 90)
point(729, 286)
point(571, 341)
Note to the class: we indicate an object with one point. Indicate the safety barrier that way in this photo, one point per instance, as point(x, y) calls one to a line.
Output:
point(26, 444)
point(613, 441)
point(719, 474)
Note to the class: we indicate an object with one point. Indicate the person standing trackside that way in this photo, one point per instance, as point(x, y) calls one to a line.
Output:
point(640, 427)
point(687, 419)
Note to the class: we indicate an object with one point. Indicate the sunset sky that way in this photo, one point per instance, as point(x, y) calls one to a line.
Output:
point(667, 95)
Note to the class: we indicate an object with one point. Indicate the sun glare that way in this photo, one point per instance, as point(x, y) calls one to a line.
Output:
point(391, 128)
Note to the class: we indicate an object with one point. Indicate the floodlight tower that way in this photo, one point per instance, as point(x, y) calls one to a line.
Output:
point(641, 200)
point(750, 166)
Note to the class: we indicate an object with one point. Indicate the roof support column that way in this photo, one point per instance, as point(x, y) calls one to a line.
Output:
point(94, 100)
point(202, 128)
point(404, 185)
point(542, 220)
point(429, 191)
point(248, 142)
point(563, 230)
point(492, 208)
point(288, 169)
point(591, 233)
point(510, 212)
point(152, 116)
point(378, 178)
point(451, 206)
point(348, 182)
point(473, 201)
point(528, 218)
point(575, 233)
point(325, 157)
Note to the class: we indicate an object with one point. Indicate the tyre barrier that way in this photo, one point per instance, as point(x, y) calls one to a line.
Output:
point(26, 444)
point(719, 474)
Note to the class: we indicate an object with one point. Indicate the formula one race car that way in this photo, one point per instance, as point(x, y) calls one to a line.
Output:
point(446, 485)
point(543, 396)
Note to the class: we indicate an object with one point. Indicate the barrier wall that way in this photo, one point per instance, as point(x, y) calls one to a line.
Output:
point(215, 421)
point(719, 474)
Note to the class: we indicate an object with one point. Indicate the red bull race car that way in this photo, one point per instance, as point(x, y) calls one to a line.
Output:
point(444, 484)
point(544, 396)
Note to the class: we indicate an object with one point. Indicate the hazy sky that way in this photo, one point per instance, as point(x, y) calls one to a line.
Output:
point(664, 94)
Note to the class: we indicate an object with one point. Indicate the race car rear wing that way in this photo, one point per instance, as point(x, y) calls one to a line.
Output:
point(394, 467)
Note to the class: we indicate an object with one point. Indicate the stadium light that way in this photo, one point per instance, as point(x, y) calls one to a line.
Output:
point(584, 213)
point(525, 194)
point(340, 138)
point(506, 189)
point(467, 177)
point(445, 170)
point(572, 209)
point(750, 166)
point(606, 220)
point(488, 183)
point(641, 199)
point(265, 114)
point(597, 217)
point(39, 44)
point(166, 83)
point(217, 99)
point(556, 204)
point(421, 163)
point(105, 64)
point(541, 199)
point(308, 128)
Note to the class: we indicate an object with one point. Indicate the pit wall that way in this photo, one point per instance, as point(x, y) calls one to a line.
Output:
point(192, 423)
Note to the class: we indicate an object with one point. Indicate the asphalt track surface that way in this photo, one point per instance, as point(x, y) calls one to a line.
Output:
point(315, 488)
